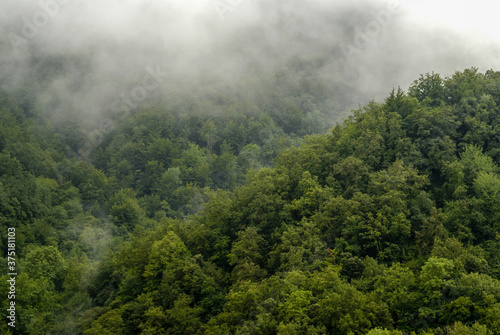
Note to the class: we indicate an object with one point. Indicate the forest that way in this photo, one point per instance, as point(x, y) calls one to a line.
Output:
point(258, 214)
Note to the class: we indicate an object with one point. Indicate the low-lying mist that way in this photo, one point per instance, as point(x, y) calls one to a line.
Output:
point(89, 58)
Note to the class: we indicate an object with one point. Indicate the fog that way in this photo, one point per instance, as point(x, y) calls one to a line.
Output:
point(87, 57)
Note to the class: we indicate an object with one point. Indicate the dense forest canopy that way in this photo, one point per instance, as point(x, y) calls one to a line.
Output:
point(172, 220)
point(249, 167)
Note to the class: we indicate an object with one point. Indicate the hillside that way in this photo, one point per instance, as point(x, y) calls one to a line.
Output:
point(175, 220)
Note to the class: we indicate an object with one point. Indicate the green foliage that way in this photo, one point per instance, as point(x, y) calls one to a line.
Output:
point(428, 89)
point(458, 328)
point(45, 263)
point(187, 220)
point(379, 331)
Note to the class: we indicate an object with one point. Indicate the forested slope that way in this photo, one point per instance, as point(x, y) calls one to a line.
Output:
point(387, 224)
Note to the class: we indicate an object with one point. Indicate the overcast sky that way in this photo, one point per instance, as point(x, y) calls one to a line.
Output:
point(479, 17)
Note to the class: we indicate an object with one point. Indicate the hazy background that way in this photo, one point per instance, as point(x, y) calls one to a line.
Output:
point(79, 56)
